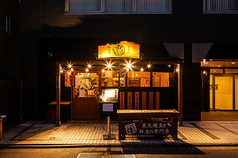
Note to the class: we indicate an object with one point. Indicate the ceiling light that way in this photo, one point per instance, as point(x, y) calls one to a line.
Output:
point(128, 65)
point(109, 65)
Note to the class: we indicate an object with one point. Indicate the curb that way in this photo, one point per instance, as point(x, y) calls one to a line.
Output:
point(108, 145)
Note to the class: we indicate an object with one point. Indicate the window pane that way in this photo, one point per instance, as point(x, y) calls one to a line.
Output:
point(86, 84)
point(216, 70)
point(152, 5)
point(138, 79)
point(160, 79)
point(221, 5)
point(110, 79)
point(118, 6)
point(84, 5)
point(8, 24)
point(231, 70)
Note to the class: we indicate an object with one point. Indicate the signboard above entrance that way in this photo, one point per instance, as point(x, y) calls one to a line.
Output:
point(124, 49)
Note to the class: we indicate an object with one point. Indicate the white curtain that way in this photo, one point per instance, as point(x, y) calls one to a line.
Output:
point(152, 5)
point(84, 5)
point(118, 6)
point(222, 5)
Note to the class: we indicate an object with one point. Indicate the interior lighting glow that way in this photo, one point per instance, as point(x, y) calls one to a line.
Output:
point(233, 63)
point(89, 66)
point(169, 65)
point(87, 70)
point(128, 65)
point(127, 69)
point(109, 65)
point(72, 69)
point(142, 69)
point(103, 70)
point(69, 73)
point(177, 69)
point(204, 72)
point(69, 66)
point(149, 66)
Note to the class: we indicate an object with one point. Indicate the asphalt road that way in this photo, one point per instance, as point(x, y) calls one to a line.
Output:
point(121, 152)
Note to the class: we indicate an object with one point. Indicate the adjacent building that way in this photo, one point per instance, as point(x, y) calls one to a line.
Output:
point(9, 61)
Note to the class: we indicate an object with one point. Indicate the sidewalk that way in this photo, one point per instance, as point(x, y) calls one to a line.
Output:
point(89, 134)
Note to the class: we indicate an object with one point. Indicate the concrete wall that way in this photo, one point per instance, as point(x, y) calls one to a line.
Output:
point(10, 62)
point(9, 43)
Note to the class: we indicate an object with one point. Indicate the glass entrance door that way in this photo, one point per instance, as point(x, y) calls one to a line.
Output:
point(221, 93)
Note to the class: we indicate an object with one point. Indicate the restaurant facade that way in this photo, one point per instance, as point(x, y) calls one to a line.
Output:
point(168, 70)
point(120, 79)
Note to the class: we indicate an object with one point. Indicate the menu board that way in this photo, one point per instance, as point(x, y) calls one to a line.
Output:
point(135, 82)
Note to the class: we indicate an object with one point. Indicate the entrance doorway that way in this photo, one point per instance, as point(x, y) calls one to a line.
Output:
point(223, 92)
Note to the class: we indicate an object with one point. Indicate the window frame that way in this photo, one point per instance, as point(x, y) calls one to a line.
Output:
point(103, 9)
point(205, 11)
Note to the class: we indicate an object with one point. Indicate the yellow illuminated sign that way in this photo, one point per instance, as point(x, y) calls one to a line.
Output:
point(124, 49)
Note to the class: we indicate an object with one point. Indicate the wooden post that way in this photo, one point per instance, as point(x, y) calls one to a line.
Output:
point(1, 129)
point(129, 100)
point(180, 109)
point(137, 100)
point(151, 100)
point(144, 101)
point(58, 95)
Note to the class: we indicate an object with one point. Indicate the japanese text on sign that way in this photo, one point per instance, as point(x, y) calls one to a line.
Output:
point(149, 128)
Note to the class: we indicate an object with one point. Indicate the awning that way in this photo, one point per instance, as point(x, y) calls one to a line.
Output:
point(216, 63)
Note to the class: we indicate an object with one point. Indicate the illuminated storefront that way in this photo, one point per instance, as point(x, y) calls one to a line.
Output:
point(120, 76)
point(220, 84)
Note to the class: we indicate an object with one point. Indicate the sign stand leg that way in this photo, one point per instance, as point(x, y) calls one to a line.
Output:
point(109, 135)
